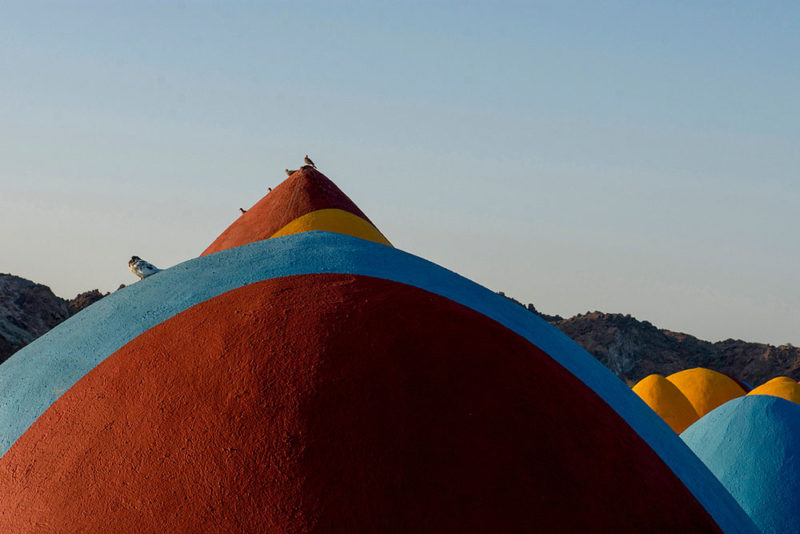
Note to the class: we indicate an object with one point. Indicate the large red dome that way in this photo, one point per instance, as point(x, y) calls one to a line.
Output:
point(341, 404)
point(317, 381)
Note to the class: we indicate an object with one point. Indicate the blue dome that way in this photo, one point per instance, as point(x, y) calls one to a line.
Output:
point(752, 445)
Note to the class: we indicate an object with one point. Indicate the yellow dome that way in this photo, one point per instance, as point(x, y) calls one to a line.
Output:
point(667, 401)
point(706, 389)
point(782, 387)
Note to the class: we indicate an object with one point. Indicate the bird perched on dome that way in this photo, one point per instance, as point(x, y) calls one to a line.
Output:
point(289, 173)
point(141, 268)
point(243, 210)
point(309, 162)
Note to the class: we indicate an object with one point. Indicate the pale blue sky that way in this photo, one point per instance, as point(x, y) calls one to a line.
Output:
point(616, 156)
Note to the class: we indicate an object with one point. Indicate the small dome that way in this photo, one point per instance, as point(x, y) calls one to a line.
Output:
point(782, 386)
point(667, 401)
point(706, 389)
point(752, 445)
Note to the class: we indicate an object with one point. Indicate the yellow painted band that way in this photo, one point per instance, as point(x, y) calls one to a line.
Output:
point(334, 220)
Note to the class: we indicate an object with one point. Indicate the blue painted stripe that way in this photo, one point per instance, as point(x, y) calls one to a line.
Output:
point(32, 379)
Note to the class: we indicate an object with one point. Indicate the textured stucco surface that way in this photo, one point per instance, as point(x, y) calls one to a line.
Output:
point(752, 445)
point(33, 378)
point(336, 403)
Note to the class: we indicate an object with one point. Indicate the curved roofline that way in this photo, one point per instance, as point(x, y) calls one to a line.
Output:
point(38, 374)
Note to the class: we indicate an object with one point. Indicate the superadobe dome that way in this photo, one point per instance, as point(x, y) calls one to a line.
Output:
point(664, 398)
point(752, 444)
point(706, 389)
point(782, 386)
point(324, 382)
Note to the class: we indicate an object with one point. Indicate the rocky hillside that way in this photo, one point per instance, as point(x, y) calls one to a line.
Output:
point(633, 349)
point(28, 310)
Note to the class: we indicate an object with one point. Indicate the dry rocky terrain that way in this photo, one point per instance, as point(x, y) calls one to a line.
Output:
point(633, 349)
point(28, 310)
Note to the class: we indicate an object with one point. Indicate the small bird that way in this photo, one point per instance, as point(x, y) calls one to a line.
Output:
point(269, 190)
point(289, 173)
point(141, 268)
point(309, 162)
point(243, 210)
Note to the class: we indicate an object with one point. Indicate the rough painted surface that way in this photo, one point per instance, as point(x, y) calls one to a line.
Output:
point(336, 403)
point(304, 191)
point(667, 401)
point(706, 389)
point(334, 220)
point(752, 445)
point(782, 386)
point(31, 380)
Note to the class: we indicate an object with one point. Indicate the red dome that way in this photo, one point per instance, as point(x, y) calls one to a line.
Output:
point(305, 191)
point(336, 403)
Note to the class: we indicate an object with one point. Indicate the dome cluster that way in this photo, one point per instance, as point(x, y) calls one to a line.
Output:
point(749, 439)
point(303, 375)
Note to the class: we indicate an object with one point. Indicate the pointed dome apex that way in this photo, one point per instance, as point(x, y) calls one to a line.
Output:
point(305, 201)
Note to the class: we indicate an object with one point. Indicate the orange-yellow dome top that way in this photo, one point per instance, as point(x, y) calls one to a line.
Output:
point(667, 401)
point(706, 389)
point(782, 386)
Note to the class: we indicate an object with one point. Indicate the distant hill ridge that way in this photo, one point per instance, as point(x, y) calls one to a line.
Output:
point(633, 349)
point(630, 348)
point(28, 310)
